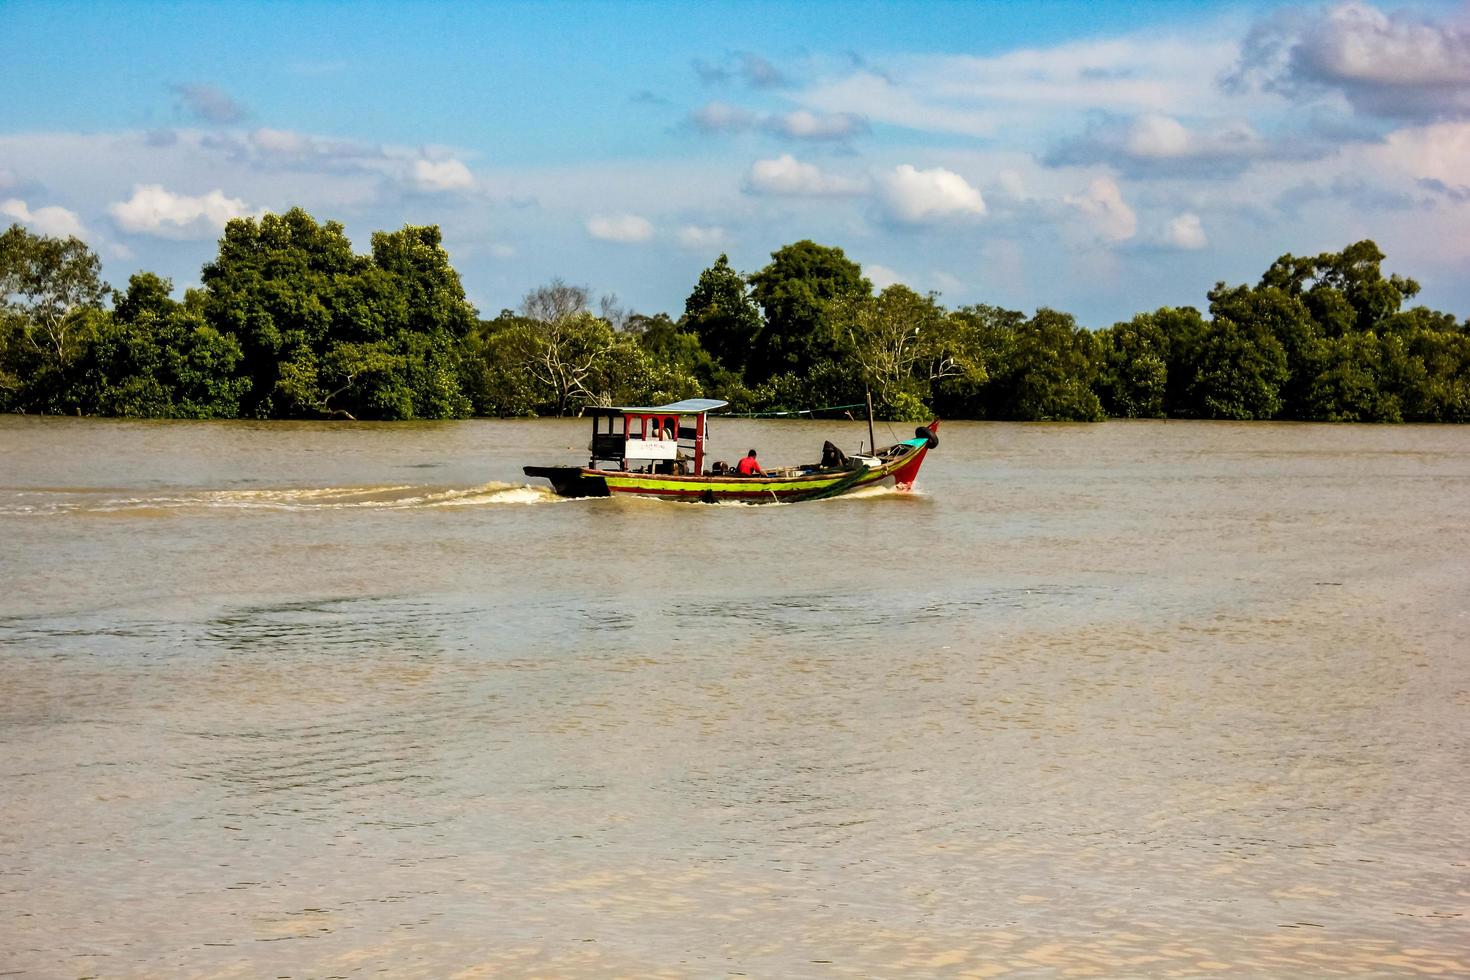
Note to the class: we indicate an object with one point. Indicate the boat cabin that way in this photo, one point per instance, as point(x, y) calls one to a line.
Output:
point(659, 439)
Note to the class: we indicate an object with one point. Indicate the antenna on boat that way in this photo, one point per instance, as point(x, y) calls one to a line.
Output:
point(872, 441)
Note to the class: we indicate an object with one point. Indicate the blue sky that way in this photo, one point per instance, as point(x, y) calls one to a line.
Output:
point(1100, 158)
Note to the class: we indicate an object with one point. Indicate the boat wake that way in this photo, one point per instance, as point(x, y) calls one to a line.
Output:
point(297, 499)
point(876, 490)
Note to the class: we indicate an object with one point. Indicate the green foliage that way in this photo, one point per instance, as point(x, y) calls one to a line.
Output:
point(721, 314)
point(1344, 290)
point(797, 292)
point(155, 358)
point(12, 386)
point(329, 333)
point(1240, 373)
point(673, 348)
point(570, 359)
point(1282, 315)
point(904, 344)
point(987, 334)
point(51, 295)
point(1431, 373)
point(1347, 383)
point(1133, 376)
point(171, 366)
point(1040, 369)
point(1347, 352)
point(1051, 372)
point(493, 368)
point(522, 365)
point(639, 377)
point(828, 382)
point(291, 322)
point(201, 367)
point(1184, 332)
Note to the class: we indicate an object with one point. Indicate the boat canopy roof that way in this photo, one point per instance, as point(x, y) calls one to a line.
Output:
point(689, 406)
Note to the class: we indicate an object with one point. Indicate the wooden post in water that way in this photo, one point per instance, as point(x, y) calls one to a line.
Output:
point(872, 441)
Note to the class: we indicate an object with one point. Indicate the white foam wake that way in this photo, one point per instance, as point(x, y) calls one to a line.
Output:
point(293, 499)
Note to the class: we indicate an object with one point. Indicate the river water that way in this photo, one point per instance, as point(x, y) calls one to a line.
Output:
point(1130, 699)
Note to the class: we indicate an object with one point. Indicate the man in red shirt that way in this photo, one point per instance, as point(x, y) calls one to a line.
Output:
point(749, 466)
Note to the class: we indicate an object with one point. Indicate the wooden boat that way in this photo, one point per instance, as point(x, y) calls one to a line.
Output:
point(659, 451)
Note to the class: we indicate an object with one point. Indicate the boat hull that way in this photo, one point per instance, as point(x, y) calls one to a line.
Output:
point(569, 481)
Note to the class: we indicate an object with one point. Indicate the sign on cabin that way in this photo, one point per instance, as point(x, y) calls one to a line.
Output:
point(651, 449)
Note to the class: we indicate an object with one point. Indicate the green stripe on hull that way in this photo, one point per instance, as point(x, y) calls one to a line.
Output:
point(754, 489)
point(633, 484)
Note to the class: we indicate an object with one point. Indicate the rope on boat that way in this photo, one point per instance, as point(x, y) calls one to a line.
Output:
point(841, 486)
point(795, 412)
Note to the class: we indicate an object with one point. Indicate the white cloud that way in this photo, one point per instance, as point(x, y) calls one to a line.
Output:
point(710, 74)
point(755, 70)
point(1437, 152)
point(1108, 214)
point(153, 210)
point(949, 282)
point(1360, 43)
point(1395, 64)
point(760, 73)
point(787, 175)
point(55, 221)
point(1157, 135)
point(442, 175)
point(721, 117)
point(432, 169)
point(208, 103)
point(626, 228)
point(881, 276)
point(283, 146)
point(799, 124)
point(1012, 184)
point(806, 125)
point(911, 104)
point(915, 196)
point(503, 251)
point(979, 96)
point(698, 238)
point(1185, 232)
point(280, 141)
point(1154, 144)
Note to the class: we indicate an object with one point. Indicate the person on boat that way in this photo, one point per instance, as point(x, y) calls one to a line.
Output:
point(749, 466)
point(832, 457)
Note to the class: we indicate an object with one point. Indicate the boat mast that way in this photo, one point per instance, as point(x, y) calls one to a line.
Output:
point(699, 437)
point(872, 442)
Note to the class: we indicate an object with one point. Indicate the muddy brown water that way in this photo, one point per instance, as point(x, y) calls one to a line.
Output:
point(1131, 699)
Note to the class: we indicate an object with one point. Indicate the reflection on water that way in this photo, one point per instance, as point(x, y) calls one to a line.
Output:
point(1120, 700)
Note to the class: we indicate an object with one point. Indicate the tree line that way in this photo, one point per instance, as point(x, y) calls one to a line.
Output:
point(289, 322)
